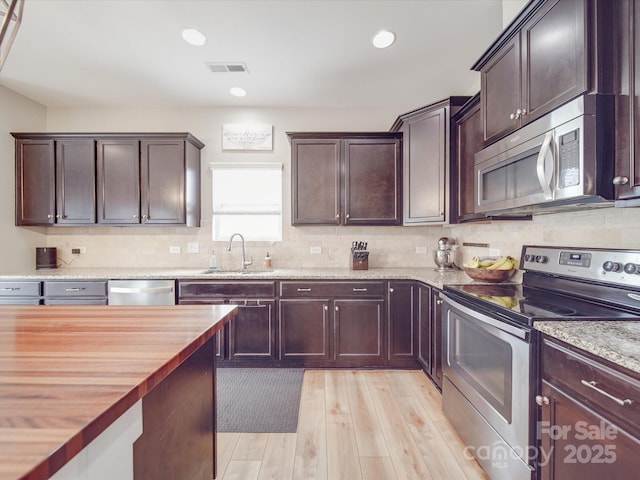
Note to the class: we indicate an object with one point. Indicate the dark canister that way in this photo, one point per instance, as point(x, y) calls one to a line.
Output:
point(46, 257)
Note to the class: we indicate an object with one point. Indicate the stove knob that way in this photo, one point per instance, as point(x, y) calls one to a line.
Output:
point(528, 257)
point(609, 266)
point(631, 268)
point(541, 259)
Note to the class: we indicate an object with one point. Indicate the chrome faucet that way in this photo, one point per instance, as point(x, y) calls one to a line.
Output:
point(245, 263)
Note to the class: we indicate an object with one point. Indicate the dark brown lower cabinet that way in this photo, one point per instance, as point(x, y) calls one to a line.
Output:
point(402, 322)
point(332, 323)
point(250, 339)
point(304, 330)
point(589, 422)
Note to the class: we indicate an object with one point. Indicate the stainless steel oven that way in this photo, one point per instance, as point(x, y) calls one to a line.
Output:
point(489, 345)
point(487, 366)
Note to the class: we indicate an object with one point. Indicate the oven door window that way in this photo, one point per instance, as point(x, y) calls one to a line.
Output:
point(483, 360)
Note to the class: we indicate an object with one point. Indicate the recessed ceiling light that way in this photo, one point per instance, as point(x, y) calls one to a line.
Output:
point(238, 92)
point(194, 37)
point(384, 39)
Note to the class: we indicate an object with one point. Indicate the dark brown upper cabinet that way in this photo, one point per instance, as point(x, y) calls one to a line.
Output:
point(552, 52)
point(107, 179)
point(627, 179)
point(55, 181)
point(346, 178)
point(426, 138)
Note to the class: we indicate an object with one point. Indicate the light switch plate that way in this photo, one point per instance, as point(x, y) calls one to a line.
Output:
point(421, 249)
point(193, 247)
point(494, 252)
point(174, 249)
point(315, 250)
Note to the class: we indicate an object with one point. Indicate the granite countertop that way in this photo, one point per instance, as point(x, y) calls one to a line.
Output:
point(616, 341)
point(426, 275)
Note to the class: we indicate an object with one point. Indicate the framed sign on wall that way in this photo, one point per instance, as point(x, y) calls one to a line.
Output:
point(247, 137)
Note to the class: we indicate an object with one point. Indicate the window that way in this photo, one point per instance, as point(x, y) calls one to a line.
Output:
point(247, 198)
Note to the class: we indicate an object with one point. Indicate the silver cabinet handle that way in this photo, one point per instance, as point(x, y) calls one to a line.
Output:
point(337, 308)
point(620, 180)
point(337, 215)
point(304, 290)
point(542, 400)
point(390, 290)
point(135, 215)
point(10, 289)
point(359, 289)
point(346, 216)
point(326, 308)
point(50, 216)
point(592, 385)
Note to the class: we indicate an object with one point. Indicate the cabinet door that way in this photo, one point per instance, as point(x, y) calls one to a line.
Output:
point(468, 141)
point(580, 444)
point(372, 179)
point(402, 338)
point(315, 182)
point(220, 338)
point(35, 182)
point(118, 179)
point(500, 93)
point(358, 331)
point(162, 181)
point(252, 331)
point(628, 100)
point(554, 71)
point(436, 337)
point(424, 172)
point(304, 330)
point(76, 181)
point(425, 349)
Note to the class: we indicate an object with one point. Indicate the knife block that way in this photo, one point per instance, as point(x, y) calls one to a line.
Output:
point(359, 260)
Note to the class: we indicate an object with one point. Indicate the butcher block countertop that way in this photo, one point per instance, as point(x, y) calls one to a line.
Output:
point(66, 373)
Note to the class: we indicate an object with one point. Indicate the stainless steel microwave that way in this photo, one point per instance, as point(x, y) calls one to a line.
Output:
point(562, 161)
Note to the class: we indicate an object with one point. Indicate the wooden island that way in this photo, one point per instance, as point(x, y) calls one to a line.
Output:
point(68, 374)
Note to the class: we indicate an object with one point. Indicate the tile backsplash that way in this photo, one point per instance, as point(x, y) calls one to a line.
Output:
point(149, 247)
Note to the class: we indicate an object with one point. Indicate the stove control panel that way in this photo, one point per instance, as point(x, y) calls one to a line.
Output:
point(620, 267)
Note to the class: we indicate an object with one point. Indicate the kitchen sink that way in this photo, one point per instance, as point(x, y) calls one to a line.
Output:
point(236, 272)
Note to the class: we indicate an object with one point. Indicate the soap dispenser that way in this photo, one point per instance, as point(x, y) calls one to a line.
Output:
point(213, 261)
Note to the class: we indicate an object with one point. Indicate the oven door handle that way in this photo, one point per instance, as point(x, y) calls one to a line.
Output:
point(493, 322)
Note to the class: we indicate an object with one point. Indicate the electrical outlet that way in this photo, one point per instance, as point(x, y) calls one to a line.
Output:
point(315, 250)
point(174, 249)
point(421, 249)
point(494, 252)
point(193, 247)
point(75, 251)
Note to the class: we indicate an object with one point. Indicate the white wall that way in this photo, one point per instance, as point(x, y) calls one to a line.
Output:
point(510, 8)
point(17, 114)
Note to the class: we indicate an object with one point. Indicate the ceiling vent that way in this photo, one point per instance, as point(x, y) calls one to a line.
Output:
point(227, 67)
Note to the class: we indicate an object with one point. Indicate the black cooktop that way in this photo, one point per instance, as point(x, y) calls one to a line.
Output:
point(525, 305)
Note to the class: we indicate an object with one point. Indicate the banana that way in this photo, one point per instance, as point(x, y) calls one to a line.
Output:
point(473, 263)
point(487, 262)
point(499, 264)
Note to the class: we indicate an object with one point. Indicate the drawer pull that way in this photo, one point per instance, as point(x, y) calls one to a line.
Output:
point(592, 384)
point(74, 289)
point(10, 289)
point(359, 289)
point(304, 289)
point(542, 400)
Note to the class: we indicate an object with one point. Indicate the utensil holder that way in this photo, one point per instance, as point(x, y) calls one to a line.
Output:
point(359, 260)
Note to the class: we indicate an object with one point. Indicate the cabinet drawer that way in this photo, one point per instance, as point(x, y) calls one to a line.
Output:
point(19, 289)
point(242, 289)
point(332, 289)
point(612, 393)
point(75, 288)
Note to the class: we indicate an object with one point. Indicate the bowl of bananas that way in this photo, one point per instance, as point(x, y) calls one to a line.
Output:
point(492, 270)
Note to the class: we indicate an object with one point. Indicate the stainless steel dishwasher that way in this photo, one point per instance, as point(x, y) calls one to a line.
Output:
point(142, 292)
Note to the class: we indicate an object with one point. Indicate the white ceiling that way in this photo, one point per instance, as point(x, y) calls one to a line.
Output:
point(300, 53)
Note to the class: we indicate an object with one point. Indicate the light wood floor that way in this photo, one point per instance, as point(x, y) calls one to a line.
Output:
point(360, 424)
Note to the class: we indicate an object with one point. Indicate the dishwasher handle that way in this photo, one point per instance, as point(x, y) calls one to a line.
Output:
point(140, 289)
